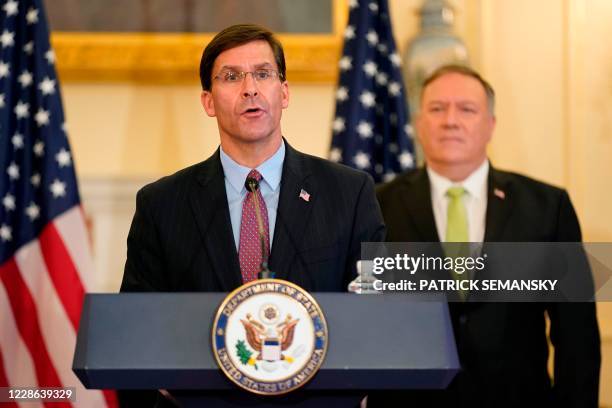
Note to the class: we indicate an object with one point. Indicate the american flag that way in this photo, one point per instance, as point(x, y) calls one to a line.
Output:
point(45, 264)
point(371, 130)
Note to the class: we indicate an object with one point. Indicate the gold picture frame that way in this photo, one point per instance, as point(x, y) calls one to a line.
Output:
point(171, 58)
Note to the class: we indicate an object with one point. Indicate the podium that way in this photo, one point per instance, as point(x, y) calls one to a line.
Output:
point(163, 341)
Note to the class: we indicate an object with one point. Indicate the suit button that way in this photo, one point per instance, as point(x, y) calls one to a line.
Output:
point(463, 319)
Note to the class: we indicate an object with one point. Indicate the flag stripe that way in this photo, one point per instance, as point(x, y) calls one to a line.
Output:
point(45, 264)
point(4, 381)
point(57, 330)
point(71, 227)
point(24, 311)
point(18, 362)
point(110, 397)
point(63, 274)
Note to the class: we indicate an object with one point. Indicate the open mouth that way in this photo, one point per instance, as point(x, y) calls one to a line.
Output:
point(253, 112)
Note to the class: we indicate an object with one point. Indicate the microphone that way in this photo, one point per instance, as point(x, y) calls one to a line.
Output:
point(252, 185)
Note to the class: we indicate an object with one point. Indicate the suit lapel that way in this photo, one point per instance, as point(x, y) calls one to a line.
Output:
point(293, 213)
point(211, 212)
point(417, 198)
point(499, 203)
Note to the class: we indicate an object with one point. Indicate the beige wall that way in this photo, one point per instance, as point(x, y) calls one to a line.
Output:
point(132, 131)
point(549, 61)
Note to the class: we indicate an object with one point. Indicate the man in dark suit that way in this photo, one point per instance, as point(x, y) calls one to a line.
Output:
point(198, 229)
point(502, 347)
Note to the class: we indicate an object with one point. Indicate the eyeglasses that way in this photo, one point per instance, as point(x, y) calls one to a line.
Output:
point(259, 75)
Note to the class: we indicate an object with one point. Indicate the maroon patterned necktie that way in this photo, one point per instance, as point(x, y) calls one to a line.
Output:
point(249, 250)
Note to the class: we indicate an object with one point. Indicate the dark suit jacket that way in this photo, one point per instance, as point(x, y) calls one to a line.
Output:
point(181, 235)
point(503, 346)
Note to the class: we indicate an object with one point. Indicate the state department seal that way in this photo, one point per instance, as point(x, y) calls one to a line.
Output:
point(269, 336)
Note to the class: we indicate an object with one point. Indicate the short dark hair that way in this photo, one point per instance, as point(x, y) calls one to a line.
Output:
point(235, 36)
point(467, 71)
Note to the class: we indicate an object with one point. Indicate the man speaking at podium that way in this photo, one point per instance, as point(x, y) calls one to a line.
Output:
point(198, 229)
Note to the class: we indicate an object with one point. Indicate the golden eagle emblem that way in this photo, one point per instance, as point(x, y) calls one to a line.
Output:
point(270, 342)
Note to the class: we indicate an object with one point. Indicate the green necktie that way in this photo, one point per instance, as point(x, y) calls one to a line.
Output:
point(456, 217)
point(457, 230)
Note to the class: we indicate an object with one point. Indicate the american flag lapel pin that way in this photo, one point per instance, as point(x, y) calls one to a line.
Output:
point(304, 195)
point(499, 193)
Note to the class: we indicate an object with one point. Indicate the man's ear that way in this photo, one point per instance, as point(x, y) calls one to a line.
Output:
point(492, 123)
point(285, 92)
point(207, 103)
point(418, 124)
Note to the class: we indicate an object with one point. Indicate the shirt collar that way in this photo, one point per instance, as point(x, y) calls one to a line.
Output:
point(271, 170)
point(475, 184)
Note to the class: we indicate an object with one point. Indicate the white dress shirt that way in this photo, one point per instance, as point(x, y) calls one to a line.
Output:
point(475, 201)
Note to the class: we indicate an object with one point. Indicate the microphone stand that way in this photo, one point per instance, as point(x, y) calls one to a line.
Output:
point(264, 272)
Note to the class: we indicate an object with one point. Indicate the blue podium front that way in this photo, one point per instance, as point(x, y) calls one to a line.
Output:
point(163, 341)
